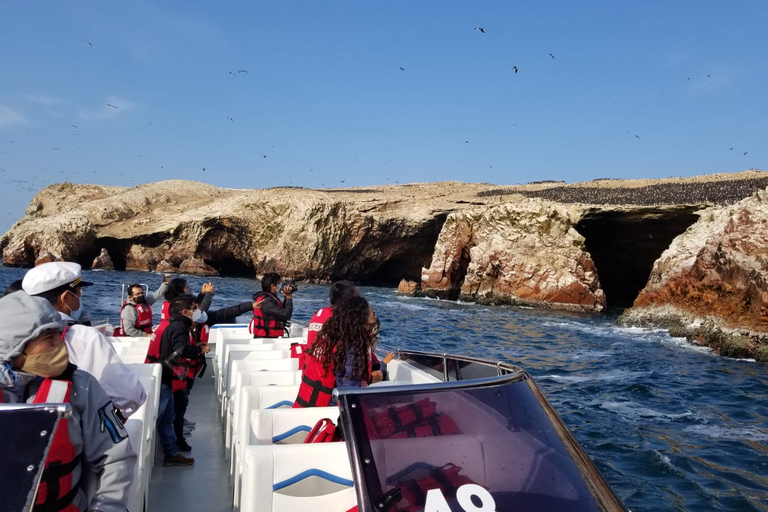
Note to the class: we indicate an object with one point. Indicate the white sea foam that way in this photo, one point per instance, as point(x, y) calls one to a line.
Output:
point(730, 433)
point(634, 411)
point(609, 376)
point(664, 459)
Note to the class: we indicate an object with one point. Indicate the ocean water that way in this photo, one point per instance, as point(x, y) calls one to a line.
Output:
point(670, 425)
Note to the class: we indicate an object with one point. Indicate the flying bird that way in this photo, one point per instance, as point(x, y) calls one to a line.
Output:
point(243, 71)
point(745, 153)
point(637, 136)
point(89, 44)
point(730, 149)
point(401, 68)
point(231, 73)
point(552, 55)
point(111, 105)
point(481, 29)
point(230, 119)
point(265, 156)
point(514, 68)
point(72, 125)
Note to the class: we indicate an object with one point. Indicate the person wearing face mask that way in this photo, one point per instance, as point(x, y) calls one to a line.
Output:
point(90, 464)
point(136, 313)
point(177, 348)
point(61, 284)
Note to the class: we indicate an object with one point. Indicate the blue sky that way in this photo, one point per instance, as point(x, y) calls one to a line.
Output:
point(122, 93)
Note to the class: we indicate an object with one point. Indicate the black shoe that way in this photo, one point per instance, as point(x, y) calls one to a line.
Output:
point(178, 460)
point(184, 446)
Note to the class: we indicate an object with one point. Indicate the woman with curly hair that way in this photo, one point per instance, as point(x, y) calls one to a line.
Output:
point(341, 355)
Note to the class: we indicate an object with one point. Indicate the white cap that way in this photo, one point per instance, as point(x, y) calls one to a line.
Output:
point(49, 276)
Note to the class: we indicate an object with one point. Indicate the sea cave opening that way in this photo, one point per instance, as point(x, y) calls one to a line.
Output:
point(625, 244)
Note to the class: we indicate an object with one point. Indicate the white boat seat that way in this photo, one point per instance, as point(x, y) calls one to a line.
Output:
point(222, 358)
point(131, 355)
point(256, 397)
point(297, 478)
point(246, 378)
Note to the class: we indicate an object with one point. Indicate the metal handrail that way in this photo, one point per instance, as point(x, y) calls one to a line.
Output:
point(502, 368)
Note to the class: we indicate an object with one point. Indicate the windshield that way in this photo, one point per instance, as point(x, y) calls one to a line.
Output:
point(488, 448)
point(25, 434)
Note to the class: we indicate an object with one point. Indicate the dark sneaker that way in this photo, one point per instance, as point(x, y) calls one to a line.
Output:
point(178, 460)
point(184, 446)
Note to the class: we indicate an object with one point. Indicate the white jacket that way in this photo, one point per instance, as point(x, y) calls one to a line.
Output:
point(93, 353)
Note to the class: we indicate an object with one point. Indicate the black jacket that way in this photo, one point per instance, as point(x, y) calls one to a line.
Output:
point(270, 308)
point(176, 338)
point(220, 316)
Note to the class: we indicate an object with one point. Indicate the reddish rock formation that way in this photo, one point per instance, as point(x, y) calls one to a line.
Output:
point(526, 254)
point(198, 267)
point(166, 266)
point(45, 257)
point(407, 287)
point(717, 270)
point(103, 261)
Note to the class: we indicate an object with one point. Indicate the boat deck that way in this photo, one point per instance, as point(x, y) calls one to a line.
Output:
point(204, 486)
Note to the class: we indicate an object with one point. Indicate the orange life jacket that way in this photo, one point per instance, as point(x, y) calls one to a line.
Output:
point(265, 326)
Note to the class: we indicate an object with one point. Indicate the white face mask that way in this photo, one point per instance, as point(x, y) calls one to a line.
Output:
point(199, 317)
point(75, 314)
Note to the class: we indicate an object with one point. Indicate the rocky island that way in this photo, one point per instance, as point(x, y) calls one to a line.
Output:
point(688, 254)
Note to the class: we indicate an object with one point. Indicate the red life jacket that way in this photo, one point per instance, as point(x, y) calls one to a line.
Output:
point(205, 333)
point(266, 327)
point(419, 419)
point(57, 489)
point(447, 478)
point(187, 368)
point(316, 388)
point(143, 320)
point(165, 313)
point(316, 323)
point(153, 352)
point(324, 431)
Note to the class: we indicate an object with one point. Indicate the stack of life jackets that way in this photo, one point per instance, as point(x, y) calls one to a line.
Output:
point(57, 489)
point(419, 419)
point(265, 326)
point(425, 478)
point(143, 320)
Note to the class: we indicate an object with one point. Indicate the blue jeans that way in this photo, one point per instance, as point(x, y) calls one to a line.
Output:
point(165, 415)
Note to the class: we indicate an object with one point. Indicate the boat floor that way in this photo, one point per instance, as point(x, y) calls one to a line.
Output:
point(205, 485)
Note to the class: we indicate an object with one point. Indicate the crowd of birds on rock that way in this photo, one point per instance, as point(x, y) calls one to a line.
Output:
point(714, 192)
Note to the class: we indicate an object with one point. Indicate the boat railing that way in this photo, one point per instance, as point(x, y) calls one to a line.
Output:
point(448, 367)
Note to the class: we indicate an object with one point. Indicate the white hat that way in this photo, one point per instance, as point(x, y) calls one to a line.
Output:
point(49, 276)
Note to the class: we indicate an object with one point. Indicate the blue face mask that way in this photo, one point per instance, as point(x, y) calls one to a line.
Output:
point(199, 317)
point(75, 314)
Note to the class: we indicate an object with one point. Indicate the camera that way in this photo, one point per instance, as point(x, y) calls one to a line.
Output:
point(289, 287)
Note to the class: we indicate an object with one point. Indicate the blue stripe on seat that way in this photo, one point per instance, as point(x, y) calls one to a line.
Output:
point(312, 472)
point(280, 404)
point(294, 430)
